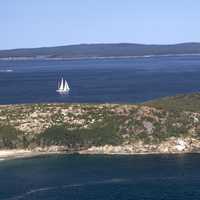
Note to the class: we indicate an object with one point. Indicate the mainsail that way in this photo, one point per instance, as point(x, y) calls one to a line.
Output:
point(61, 85)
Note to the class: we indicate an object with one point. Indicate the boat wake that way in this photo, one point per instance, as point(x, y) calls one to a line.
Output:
point(6, 70)
point(63, 187)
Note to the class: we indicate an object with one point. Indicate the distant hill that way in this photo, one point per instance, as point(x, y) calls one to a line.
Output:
point(101, 50)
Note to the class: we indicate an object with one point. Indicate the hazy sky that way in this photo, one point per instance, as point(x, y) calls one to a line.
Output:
point(35, 23)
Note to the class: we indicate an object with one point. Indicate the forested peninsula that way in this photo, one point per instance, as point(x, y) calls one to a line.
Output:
point(168, 125)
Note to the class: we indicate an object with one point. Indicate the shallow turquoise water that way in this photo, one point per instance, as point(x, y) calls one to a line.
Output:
point(148, 177)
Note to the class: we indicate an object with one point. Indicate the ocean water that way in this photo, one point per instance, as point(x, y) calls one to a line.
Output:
point(127, 80)
point(78, 177)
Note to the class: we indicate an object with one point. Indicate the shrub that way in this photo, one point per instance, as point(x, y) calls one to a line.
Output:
point(101, 134)
point(10, 137)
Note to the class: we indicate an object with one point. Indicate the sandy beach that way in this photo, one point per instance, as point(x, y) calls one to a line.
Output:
point(22, 153)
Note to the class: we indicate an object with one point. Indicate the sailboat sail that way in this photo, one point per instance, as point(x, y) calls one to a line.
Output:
point(63, 87)
point(67, 86)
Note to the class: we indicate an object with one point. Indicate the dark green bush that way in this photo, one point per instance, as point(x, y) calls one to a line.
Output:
point(10, 138)
point(101, 134)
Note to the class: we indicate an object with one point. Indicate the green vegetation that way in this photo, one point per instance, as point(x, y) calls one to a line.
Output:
point(186, 102)
point(79, 126)
point(101, 134)
point(11, 138)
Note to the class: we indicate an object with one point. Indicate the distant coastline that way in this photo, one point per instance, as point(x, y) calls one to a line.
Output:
point(96, 58)
point(100, 51)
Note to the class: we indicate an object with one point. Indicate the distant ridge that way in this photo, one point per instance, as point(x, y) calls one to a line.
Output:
point(100, 50)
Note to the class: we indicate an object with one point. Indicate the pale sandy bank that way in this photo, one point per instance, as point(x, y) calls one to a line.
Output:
point(21, 153)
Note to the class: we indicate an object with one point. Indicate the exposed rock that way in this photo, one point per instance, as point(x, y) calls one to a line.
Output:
point(178, 145)
point(149, 126)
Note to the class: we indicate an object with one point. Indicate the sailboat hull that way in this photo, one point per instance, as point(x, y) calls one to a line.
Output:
point(62, 91)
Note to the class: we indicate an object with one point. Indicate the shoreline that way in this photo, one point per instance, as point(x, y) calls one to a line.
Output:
point(21, 153)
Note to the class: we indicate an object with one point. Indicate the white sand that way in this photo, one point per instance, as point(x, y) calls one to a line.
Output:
point(20, 153)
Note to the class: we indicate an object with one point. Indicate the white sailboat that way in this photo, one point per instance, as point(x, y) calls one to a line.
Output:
point(63, 87)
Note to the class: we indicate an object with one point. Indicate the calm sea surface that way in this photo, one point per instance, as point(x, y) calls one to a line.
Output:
point(152, 177)
point(78, 177)
point(101, 80)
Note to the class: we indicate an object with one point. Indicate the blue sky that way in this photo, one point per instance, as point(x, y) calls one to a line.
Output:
point(36, 23)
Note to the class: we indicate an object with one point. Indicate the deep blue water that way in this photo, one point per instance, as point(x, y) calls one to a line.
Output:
point(101, 80)
point(78, 177)
point(100, 177)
